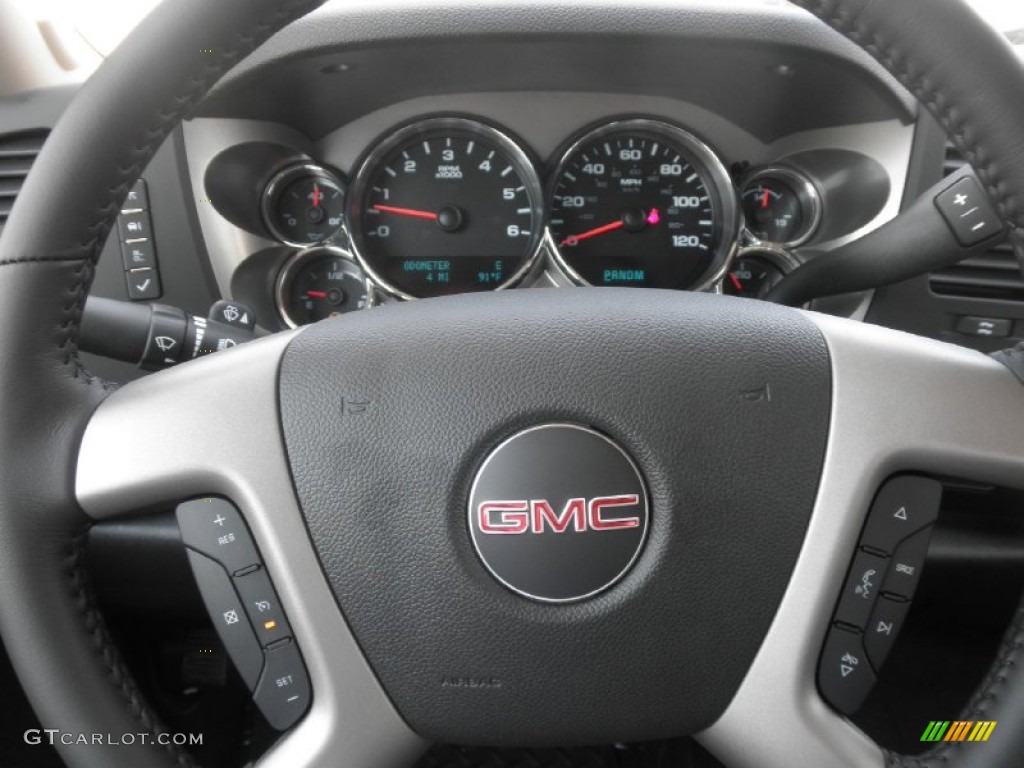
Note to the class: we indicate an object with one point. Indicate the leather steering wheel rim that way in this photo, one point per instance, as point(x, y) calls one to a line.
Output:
point(52, 629)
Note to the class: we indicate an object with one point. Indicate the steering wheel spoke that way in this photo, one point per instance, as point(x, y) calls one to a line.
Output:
point(899, 403)
point(212, 428)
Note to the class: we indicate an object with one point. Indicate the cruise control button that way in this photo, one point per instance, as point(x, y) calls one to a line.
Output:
point(861, 589)
point(903, 506)
point(263, 607)
point(907, 562)
point(885, 623)
point(283, 692)
point(228, 617)
point(845, 677)
point(215, 528)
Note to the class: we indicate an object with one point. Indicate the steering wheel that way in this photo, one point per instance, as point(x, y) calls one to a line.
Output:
point(715, 624)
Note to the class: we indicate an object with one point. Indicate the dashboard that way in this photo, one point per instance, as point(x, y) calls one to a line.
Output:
point(496, 191)
point(800, 140)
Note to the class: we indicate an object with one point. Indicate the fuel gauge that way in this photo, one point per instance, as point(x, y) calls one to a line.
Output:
point(780, 206)
point(321, 282)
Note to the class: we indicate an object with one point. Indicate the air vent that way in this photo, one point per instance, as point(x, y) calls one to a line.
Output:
point(994, 274)
point(17, 153)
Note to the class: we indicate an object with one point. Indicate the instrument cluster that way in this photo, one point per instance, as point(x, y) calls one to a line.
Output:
point(452, 204)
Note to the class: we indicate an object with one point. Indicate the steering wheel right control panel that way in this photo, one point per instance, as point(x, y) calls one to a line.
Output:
point(876, 595)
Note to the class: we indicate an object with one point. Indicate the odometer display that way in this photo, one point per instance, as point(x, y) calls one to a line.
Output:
point(446, 206)
point(642, 203)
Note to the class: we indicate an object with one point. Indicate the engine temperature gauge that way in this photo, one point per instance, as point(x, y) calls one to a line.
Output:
point(321, 282)
point(780, 206)
point(304, 205)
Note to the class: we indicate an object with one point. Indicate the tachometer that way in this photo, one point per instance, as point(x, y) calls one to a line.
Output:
point(446, 205)
point(642, 203)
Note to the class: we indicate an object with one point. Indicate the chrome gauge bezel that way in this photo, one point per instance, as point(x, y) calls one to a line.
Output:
point(807, 193)
point(726, 209)
point(288, 271)
point(778, 257)
point(368, 167)
point(279, 182)
point(774, 255)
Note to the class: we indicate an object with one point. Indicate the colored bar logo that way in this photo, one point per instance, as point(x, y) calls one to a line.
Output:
point(958, 730)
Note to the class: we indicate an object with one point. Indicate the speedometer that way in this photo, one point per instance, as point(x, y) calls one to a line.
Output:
point(446, 205)
point(642, 203)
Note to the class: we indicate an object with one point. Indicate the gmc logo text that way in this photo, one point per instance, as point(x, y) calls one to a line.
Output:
point(534, 515)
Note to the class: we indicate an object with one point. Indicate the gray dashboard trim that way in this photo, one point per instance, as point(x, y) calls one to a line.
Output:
point(352, 25)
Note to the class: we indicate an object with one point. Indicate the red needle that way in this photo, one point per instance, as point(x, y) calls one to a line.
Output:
point(573, 239)
point(406, 212)
point(318, 196)
point(765, 199)
point(317, 294)
point(652, 218)
point(736, 281)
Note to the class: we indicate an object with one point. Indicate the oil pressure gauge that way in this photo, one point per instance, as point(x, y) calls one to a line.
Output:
point(319, 283)
point(304, 205)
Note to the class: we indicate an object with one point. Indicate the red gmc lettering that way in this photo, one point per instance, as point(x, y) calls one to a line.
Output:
point(507, 517)
point(575, 512)
point(521, 516)
point(601, 503)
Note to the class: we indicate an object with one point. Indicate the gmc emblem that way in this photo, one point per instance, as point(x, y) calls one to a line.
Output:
point(534, 515)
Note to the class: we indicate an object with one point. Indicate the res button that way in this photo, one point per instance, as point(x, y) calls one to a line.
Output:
point(215, 528)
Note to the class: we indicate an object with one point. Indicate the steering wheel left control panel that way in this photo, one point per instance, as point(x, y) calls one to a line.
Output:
point(244, 608)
